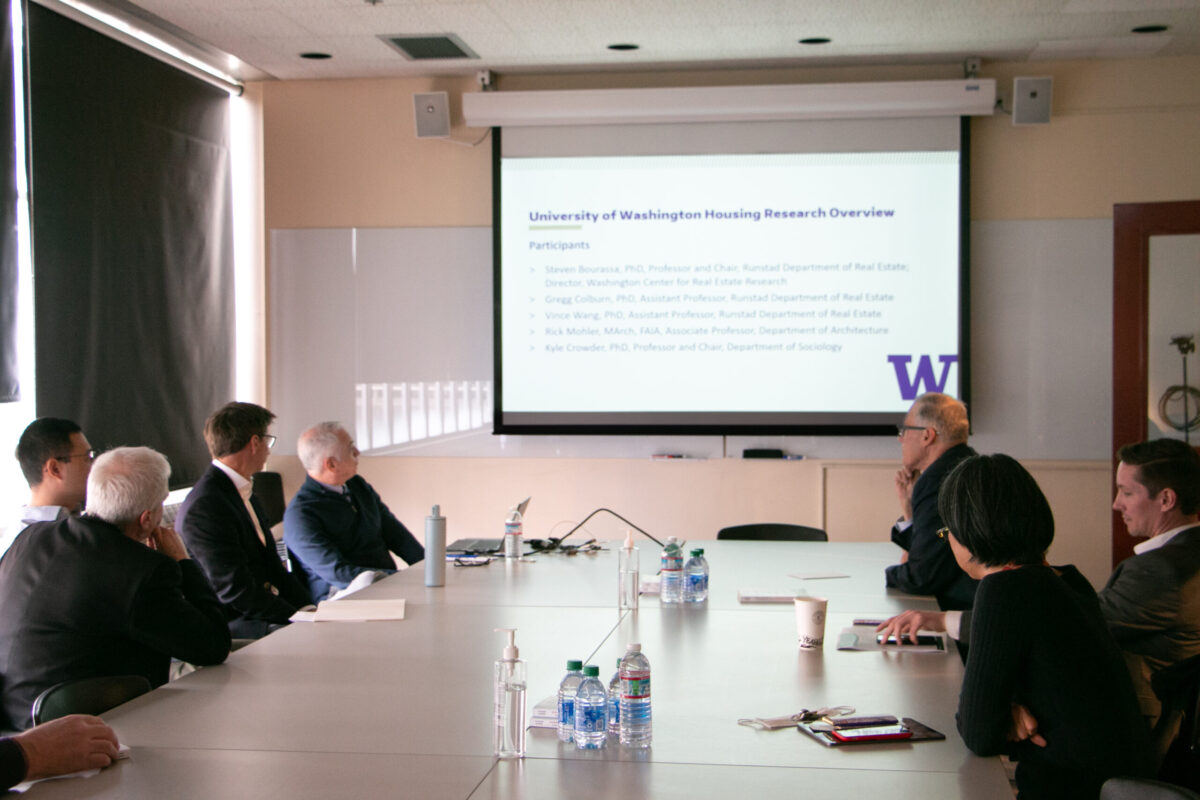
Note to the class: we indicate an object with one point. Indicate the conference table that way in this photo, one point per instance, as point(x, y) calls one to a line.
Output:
point(404, 708)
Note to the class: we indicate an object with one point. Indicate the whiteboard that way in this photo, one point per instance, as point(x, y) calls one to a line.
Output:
point(389, 331)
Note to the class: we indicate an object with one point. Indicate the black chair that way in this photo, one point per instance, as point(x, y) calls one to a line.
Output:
point(87, 696)
point(773, 532)
point(1142, 789)
point(1177, 733)
point(267, 488)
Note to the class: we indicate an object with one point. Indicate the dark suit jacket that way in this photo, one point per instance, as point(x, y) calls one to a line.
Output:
point(931, 568)
point(336, 536)
point(82, 600)
point(1152, 606)
point(219, 534)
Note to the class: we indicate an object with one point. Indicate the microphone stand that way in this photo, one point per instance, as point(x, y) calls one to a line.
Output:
point(615, 514)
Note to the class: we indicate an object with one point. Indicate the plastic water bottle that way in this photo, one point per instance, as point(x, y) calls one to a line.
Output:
point(671, 587)
point(566, 700)
point(614, 702)
point(635, 698)
point(591, 711)
point(695, 578)
point(512, 534)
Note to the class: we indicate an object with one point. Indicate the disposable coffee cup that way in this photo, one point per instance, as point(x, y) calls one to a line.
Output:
point(810, 621)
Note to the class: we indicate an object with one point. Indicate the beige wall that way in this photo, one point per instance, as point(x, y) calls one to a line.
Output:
point(344, 154)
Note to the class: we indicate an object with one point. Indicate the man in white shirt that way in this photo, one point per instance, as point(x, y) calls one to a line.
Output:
point(225, 529)
point(1152, 600)
point(55, 458)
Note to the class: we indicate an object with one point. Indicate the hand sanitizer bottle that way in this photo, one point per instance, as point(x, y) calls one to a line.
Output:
point(510, 700)
point(628, 575)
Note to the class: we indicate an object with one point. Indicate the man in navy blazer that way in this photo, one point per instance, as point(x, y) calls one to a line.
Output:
point(933, 440)
point(235, 549)
point(337, 526)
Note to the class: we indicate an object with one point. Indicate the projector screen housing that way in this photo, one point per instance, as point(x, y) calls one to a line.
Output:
point(763, 277)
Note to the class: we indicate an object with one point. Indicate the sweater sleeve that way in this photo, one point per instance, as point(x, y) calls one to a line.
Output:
point(12, 763)
point(998, 649)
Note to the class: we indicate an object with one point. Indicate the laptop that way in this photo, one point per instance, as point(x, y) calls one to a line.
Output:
point(483, 547)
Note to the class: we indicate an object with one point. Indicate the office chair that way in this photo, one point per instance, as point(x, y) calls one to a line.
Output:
point(87, 696)
point(267, 487)
point(773, 532)
point(1144, 789)
point(1176, 736)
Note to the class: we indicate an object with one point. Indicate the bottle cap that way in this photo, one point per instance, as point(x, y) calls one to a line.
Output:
point(437, 512)
point(618, 662)
point(510, 652)
point(634, 647)
point(697, 552)
point(591, 670)
point(574, 665)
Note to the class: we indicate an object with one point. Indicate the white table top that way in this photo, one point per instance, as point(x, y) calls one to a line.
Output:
point(404, 708)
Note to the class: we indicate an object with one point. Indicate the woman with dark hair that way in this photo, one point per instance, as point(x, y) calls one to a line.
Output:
point(1044, 681)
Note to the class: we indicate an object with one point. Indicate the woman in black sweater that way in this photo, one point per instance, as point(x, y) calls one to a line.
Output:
point(1045, 683)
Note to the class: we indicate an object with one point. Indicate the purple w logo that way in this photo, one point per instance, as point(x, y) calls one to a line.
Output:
point(910, 387)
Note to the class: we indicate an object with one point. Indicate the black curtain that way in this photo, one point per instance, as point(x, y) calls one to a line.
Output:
point(132, 243)
point(10, 390)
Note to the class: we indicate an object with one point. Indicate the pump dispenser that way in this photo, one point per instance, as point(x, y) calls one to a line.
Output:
point(628, 575)
point(509, 684)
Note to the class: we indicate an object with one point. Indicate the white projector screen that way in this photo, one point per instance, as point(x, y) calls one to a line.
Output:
point(774, 277)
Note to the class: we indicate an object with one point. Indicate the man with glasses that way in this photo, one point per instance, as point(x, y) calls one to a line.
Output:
point(225, 529)
point(933, 440)
point(55, 458)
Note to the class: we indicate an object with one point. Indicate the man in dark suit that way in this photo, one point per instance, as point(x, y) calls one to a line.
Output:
point(337, 526)
point(107, 593)
point(1152, 599)
point(224, 527)
point(933, 440)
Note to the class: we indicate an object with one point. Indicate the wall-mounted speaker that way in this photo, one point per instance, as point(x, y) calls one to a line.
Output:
point(1031, 100)
point(432, 111)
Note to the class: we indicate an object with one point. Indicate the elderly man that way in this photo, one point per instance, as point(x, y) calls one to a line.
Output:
point(106, 593)
point(55, 458)
point(222, 524)
point(336, 526)
point(1152, 599)
point(933, 440)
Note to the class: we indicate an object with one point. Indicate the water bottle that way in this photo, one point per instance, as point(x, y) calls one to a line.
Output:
point(512, 534)
point(635, 698)
point(695, 578)
point(671, 587)
point(614, 702)
point(591, 710)
point(566, 700)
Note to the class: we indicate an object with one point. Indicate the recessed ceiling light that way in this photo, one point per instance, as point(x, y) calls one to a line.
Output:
point(623, 47)
point(816, 40)
point(1150, 29)
point(316, 56)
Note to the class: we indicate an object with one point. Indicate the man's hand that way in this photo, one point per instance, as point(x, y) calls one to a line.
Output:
point(909, 622)
point(1024, 726)
point(167, 542)
point(905, 478)
point(67, 744)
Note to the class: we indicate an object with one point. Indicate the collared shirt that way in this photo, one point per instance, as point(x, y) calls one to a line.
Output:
point(245, 488)
point(28, 516)
point(1155, 542)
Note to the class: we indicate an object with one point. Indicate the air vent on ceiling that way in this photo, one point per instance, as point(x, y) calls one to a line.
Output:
point(422, 47)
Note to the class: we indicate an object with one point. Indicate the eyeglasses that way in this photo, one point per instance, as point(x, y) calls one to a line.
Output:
point(268, 439)
point(900, 429)
point(90, 455)
point(942, 533)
